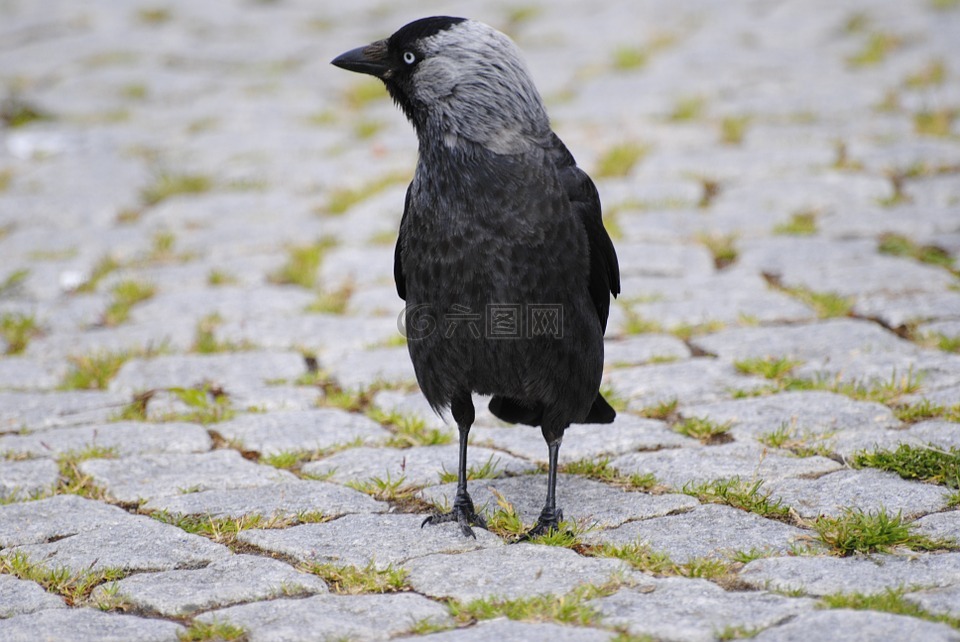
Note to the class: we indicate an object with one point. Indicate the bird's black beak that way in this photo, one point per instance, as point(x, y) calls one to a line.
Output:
point(370, 59)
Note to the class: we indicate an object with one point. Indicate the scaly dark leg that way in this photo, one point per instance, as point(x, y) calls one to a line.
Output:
point(550, 516)
point(463, 511)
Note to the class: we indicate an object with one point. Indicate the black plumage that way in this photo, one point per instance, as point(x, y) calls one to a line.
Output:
point(502, 256)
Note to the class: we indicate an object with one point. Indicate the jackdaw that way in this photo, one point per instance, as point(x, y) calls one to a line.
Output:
point(502, 256)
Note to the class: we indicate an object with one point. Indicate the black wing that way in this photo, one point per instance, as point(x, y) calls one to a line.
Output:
point(397, 260)
point(583, 195)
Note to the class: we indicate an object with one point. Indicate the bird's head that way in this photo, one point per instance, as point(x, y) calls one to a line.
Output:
point(457, 80)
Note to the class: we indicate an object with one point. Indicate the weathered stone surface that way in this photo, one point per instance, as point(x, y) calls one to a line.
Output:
point(696, 464)
point(863, 574)
point(705, 531)
point(346, 541)
point(27, 373)
point(326, 335)
point(695, 610)
point(945, 601)
point(801, 413)
point(849, 626)
point(689, 382)
point(418, 466)
point(944, 525)
point(87, 624)
point(236, 370)
point(325, 617)
point(898, 311)
point(509, 572)
point(868, 490)
point(286, 499)
point(21, 480)
point(628, 433)
point(132, 479)
point(660, 259)
point(124, 438)
point(232, 580)
point(505, 630)
point(21, 596)
point(639, 349)
point(414, 404)
point(54, 518)
point(939, 434)
point(121, 546)
point(37, 410)
point(587, 501)
point(300, 430)
point(359, 368)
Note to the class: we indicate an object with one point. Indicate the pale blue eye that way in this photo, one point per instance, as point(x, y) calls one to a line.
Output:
point(409, 57)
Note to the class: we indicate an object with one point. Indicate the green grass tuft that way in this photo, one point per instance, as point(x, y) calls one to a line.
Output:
point(925, 463)
point(889, 601)
point(740, 494)
point(572, 608)
point(768, 367)
point(215, 630)
point(74, 586)
point(619, 160)
point(601, 470)
point(167, 185)
point(803, 223)
point(722, 247)
point(688, 108)
point(17, 330)
point(856, 531)
point(875, 50)
point(302, 264)
point(827, 305)
point(733, 129)
point(707, 431)
point(490, 469)
point(899, 245)
point(126, 294)
point(408, 430)
point(353, 580)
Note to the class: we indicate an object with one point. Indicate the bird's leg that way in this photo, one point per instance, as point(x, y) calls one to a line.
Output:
point(550, 516)
point(463, 511)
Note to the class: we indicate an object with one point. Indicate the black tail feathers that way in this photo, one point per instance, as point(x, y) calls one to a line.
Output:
point(512, 411)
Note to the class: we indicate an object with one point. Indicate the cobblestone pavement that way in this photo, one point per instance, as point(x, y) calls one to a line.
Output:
point(209, 425)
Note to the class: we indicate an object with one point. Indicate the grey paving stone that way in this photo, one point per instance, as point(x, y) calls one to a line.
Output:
point(868, 490)
point(300, 430)
point(819, 341)
point(326, 335)
point(55, 518)
point(146, 477)
point(27, 373)
point(360, 368)
point(227, 302)
point(689, 382)
point(418, 466)
point(236, 370)
point(414, 404)
point(21, 596)
point(287, 498)
point(695, 610)
point(506, 630)
point(121, 546)
point(639, 349)
point(848, 626)
point(232, 580)
point(87, 624)
point(819, 576)
point(747, 460)
point(945, 601)
point(125, 438)
point(898, 311)
point(273, 398)
point(20, 480)
point(346, 541)
point(325, 617)
point(589, 502)
point(944, 525)
point(804, 414)
point(661, 259)
point(710, 530)
point(509, 572)
point(171, 334)
point(37, 410)
point(628, 433)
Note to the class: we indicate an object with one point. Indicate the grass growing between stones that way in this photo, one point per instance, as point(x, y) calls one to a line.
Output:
point(17, 330)
point(396, 491)
point(302, 264)
point(900, 245)
point(167, 185)
point(664, 410)
point(571, 608)
point(94, 371)
point(205, 338)
point(925, 463)
point(926, 409)
point(73, 481)
point(885, 391)
point(619, 160)
point(408, 430)
point(775, 368)
point(856, 531)
point(875, 50)
point(707, 432)
point(740, 494)
point(74, 586)
point(215, 630)
point(723, 248)
point(353, 580)
point(803, 223)
point(601, 470)
point(332, 301)
point(889, 601)
point(342, 199)
point(807, 444)
point(643, 558)
point(224, 530)
point(827, 305)
point(733, 129)
point(126, 294)
point(104, 266)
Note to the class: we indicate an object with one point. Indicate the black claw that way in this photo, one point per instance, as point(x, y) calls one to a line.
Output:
point(462, 513)
point(548, 521)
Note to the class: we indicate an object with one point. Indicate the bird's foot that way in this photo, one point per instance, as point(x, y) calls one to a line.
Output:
point(548, 521)
point(463, 513)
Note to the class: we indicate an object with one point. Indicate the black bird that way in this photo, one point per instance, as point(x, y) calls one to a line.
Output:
point(502, 256)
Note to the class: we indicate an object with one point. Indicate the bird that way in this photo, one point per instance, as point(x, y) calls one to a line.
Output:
point(502, 256)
